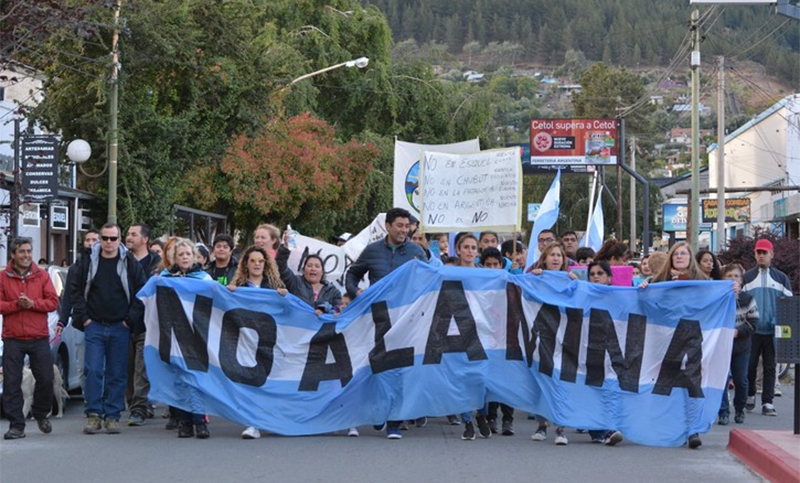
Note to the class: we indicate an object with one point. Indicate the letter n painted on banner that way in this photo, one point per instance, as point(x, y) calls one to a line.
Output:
point(267, 332)
point(380, 359)
point(682, 364)
point(603, 338)
point(546, 327)
point(452, 305)
point(317, 369)
point(192, 337)
point(515, 318)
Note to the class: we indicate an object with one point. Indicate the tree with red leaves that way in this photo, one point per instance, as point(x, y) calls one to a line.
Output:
point(284, 172)
point(786, 259)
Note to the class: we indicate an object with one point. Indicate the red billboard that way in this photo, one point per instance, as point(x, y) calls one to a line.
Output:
point(574, 141)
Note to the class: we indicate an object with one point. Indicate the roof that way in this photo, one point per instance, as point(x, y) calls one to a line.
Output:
point(663, 182)
point(756, 120)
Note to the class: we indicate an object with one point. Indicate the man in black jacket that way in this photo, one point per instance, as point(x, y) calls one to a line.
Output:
point(137, 242)
point(105, 307)
point(65, 306)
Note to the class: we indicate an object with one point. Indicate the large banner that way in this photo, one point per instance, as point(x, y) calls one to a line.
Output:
point(573, 141)
point(406, 169)
point(475, 191)
point(651, 362)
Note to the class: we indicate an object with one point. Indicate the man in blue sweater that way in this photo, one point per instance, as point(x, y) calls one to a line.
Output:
point(379, 259)
point(766, 284)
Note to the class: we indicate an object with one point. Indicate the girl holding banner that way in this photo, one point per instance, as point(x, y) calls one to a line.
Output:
point(257, 269)
point(553, 257)
point(681, 265)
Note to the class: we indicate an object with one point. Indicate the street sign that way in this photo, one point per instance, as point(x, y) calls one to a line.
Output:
point(59, 217)
point(737, 210)
point(39, 170)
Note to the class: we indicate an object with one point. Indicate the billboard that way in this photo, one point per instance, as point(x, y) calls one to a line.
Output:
point(675, 215)
point(574, 141)
point(736, 210)
point(528, 168)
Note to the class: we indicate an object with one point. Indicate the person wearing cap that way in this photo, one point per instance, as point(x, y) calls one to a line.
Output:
point(766, 284)
point(342, 239)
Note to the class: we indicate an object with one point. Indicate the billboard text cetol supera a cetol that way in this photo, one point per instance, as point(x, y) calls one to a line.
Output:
point(574, 141)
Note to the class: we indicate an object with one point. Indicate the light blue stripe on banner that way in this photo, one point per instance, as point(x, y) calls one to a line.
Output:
point(452, 387)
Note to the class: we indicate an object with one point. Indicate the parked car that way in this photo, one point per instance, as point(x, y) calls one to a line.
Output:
point(68, 348)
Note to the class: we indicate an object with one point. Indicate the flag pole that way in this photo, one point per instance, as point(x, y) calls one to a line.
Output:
point(591, 209)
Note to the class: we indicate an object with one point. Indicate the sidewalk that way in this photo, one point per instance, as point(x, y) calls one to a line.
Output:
point(773, 454)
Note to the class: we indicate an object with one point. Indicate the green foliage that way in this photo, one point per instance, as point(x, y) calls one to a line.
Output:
point(618, 32)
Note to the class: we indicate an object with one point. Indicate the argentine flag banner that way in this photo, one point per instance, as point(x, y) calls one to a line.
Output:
point(649, 362)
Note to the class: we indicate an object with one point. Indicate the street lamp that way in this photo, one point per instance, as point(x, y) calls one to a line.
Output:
point(360, 62)
point(79, 151)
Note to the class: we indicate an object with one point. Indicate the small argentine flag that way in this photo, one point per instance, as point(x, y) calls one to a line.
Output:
point(545, 219)
point(594, 235)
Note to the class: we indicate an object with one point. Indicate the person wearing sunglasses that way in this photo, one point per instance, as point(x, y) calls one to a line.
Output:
point(599, 272)
point(105, 307)
point(257, 269)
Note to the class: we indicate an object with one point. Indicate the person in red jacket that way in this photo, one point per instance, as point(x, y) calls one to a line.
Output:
point(26, 297)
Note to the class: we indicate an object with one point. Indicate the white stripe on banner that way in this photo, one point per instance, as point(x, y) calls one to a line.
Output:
point(650, 362)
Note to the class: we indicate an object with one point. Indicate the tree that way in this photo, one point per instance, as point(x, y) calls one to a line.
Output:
point(288, 169)
point(471, 49)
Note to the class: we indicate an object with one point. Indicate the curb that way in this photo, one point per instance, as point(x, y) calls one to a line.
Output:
point(764, 457)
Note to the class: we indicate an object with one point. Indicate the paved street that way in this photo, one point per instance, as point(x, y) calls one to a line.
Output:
point(432, 454)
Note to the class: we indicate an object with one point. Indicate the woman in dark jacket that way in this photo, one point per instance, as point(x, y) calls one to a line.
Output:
point(183, 254)
point(746, 321)
point(310, 287)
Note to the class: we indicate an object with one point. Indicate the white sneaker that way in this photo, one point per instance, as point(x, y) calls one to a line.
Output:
point(561, 440)
point(353, 432)
point(540, 435)
point(251, 433)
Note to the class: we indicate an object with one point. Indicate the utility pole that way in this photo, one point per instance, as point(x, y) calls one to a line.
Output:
point(633, 197)
point(113, 142)
point(693, 224)
point(621, 145)
point(721, 156)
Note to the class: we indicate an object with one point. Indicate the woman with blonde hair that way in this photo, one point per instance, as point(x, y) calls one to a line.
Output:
point(257, 270)
point(182, 255)
point(681, 265)
point(267, 237)
point(553, 257)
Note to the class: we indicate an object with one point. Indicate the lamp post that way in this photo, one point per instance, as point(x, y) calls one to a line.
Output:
point(360, 62)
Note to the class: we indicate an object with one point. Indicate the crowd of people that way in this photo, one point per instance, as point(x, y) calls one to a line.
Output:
point(99, 299)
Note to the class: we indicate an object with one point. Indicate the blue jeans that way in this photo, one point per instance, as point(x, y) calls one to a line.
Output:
point(467, 417)
point(739, 369)
point(106, 363)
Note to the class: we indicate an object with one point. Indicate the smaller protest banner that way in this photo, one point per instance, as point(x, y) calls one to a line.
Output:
point(471, 191)
point(406, 169)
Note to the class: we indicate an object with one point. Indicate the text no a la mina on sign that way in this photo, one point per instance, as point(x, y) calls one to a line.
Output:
point(471, 191)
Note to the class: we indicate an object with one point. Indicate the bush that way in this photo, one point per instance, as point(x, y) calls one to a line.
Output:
point(787, 254)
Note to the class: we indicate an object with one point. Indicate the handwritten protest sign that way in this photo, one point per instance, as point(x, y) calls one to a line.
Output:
point(471, 191)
